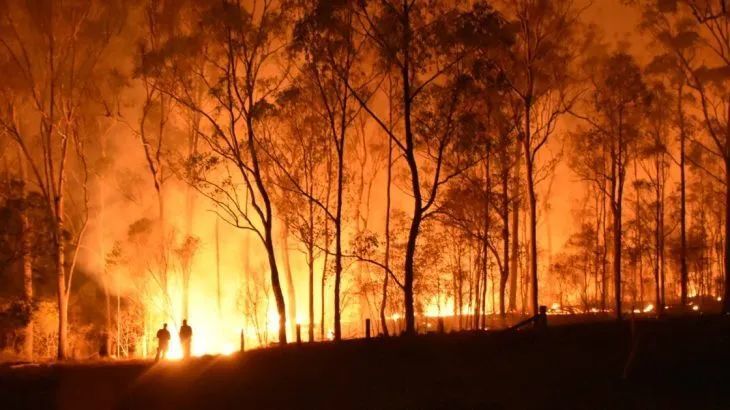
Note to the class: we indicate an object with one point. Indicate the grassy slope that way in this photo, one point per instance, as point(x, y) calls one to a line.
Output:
point(681, 363)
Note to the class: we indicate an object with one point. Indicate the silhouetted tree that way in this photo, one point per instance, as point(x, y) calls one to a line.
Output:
point(241, 47)
point(55, 51)
point(687, 28)
point(538, 72)
point(616, 110)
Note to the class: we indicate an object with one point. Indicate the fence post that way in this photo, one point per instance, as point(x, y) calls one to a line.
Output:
point(243, 340)
point(541, 321)
point(367, 328)
point(299, 334)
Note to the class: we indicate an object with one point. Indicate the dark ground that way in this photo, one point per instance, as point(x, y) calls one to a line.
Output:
point(680, 364)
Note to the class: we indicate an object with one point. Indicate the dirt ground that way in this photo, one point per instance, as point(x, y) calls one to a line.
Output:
point(678, 363)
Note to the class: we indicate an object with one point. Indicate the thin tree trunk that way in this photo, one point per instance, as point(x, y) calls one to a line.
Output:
point(726, 296)
point(218, 269)
point(119, 322)
point(516, 205)
point(657, 239)
point(322, 294)
point(532, 197)
point(291, 294)
point(485, 246)
point(505, 238)
point(684, 277)
point(61, 282)
point(604, 257)
point(27, 258)
point(409, 269)
point(477, 289)
point(310, 265)
point(384, 299)
point(338, 234)
point(638, 265)
point(102, 250)
point(617, 184)
point(326, 254)
point(267, 220)
point(661, 180)
point(617, 257)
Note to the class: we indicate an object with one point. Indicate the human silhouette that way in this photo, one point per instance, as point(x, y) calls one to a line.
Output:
point(186, 334)
point(541, 319)
point(163, 341)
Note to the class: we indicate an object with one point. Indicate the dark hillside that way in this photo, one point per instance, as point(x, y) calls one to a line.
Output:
point(679, 364)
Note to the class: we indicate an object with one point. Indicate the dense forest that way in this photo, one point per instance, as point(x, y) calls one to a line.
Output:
point(263, 166)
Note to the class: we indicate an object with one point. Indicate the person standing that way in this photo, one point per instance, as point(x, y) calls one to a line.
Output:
point(186, 335)
point(163, 342)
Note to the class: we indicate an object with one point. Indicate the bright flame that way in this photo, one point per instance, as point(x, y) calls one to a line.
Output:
point(649, 308)
point(203, 342)
point(228, 349)
point(443, 307)
point(695, 308)
point(272, 320)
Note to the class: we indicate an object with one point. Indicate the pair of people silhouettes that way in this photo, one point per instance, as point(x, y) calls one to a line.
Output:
point(163, 340)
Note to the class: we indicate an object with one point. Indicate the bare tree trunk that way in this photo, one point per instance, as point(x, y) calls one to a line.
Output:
point(410, 156)
point(61, 281)
point(531, 195)
point(470, 291)
point(57, 205)
point(516, 200)
point(684, 276)
point(532, 198)
point(598, 262)
point(726, 296)
point(275, 284)
point(310, 265)
point(460, 290)
point(322, 295)
point(326, 255)
point(617, 183)
point(102, 249)
point(119, 322)
point(56, 198)
point(604, 257)
point(483, 323)
point(27, 284)
point(412, 235)
point(617, 257)
point(661, 177)
point(638, 265)
point(485, 245)
point(505, 236)
point(657, 244)
point(477, 290)
point(548, 226)
point(338, 233)
point(27, 258)
point(291, 295)
point(384, 299)
point(218, 268)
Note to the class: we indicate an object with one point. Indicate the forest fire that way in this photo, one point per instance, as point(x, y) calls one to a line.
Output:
point(502, 190)
point(187, 179)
